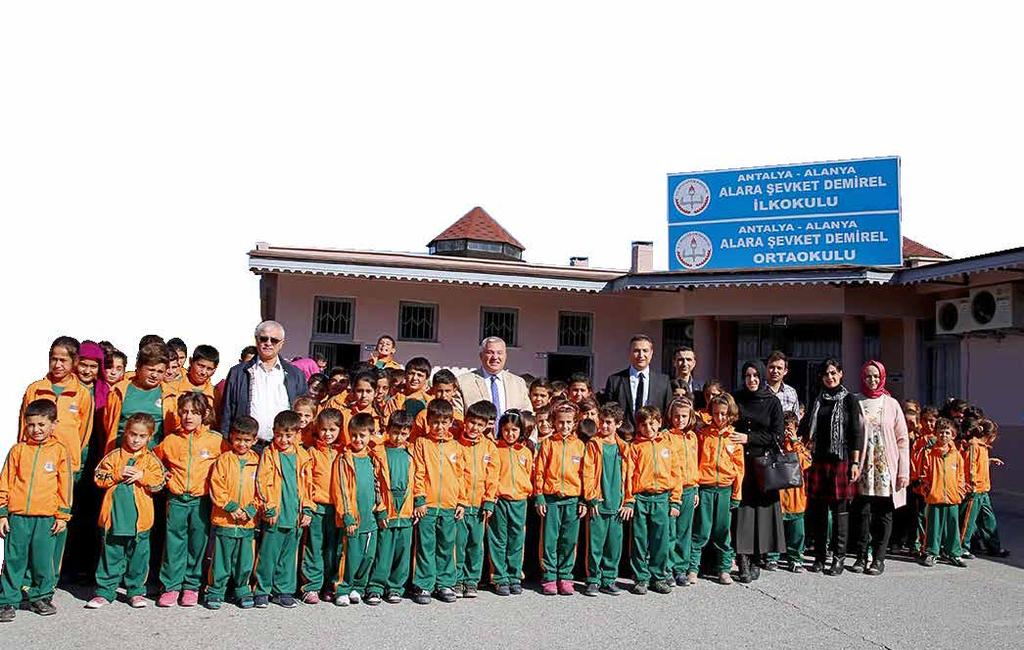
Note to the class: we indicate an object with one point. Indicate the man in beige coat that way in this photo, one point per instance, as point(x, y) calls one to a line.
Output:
point(492, 383)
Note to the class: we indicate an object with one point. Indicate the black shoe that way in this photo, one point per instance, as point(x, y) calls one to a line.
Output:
point(261, 601)
point(446, 595)
point(502, 590)
point(1000, 552)
point(967, 555)
point(43, 607)
point(681, 580)
point(421, 598)
point(515, 588)
point(661, 587)
point(373, 599)
point(611, 590)
point(860, 564)
point(755, 571)
point(837, 566)
point(877, 568)
point(283, 600)
point(957, 562)
point(640, 589)
point(590, 590)
point(928, 560)
point(460, 591)
point(796, 566)
point(771, 565)
point(6, 614)
point(469, 591)
point(393, 598)
point(743, 566)
point(817, 566)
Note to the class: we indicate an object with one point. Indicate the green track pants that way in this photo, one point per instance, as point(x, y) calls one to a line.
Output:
point(506, 538)
point(124, 559)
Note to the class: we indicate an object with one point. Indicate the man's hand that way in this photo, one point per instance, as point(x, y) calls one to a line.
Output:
point(854, 473)
point(58, 526)
point(902, 482)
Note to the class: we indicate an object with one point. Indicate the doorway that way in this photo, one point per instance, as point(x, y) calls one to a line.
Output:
point(562, 366)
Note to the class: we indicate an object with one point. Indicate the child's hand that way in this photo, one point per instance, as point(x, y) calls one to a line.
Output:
point(998, 462)
point(5, 527)
point(542, 509)
point(304, 521)
point(460, 512)
point(581, 510)
point(420, 512)
point(58, 527)
point(238, 516)
point(696, 499)
point(350, 530)
point(734, 503)
point(625, 514)
point(593, 511)
point(130, 475)
point(673, 512)
point(271, 521)
point(382, 523)
point(486, 516)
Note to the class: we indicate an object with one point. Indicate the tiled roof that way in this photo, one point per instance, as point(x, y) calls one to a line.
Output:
point(477, 224)
point(912, 248)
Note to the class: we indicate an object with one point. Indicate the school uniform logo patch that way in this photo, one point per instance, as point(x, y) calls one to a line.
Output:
point(204, 454)
point(48, 467)
point(577, 459)
point(522, 461)
point(73, 408)
point(487, 458)
point(159, 403)
point(665, 453)
point(453, 457)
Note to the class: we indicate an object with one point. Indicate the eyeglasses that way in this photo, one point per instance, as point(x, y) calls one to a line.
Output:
point(270, 339)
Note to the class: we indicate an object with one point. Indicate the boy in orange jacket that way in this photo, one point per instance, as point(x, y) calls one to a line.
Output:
point(942, 476)
point(129, 475)
point(976, 511)
point(35, 506)
point(285, 493)
point(444, 386)
point(720, 466)
point(196, 379)
point(654, 491)
point(479, 488)
point(320, 552)
point(605, 472)
point(794, 500)
point(557, 488)
point(395, 476)
point(506, 532)
point(233, 492)
point(354, 495)
point(684, 419)
point(144, 392)
point(437, 493)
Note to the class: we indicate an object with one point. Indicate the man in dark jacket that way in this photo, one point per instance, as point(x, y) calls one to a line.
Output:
point(639, 385)
point(263, 386)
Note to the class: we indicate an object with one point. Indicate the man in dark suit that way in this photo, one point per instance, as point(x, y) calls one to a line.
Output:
point(639, 385)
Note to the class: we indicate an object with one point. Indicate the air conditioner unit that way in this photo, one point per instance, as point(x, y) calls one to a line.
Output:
point(996, 307)
point(952, 316)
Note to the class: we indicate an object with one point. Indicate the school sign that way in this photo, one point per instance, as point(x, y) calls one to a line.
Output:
point(844, 213)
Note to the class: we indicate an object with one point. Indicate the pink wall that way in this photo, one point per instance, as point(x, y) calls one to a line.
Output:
point(990, 369)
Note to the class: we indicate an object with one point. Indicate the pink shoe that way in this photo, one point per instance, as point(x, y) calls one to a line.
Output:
point(310, 598)
point(549, 588)
point(138, 602)
point(167, 599)
point(566, 588)
point(97, 602)
point(189, 598)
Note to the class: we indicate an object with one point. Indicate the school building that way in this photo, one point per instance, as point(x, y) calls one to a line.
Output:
point(942, 326)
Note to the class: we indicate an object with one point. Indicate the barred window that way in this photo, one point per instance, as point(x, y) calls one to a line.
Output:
point(574, 330)
point(502, 322)
point(333, 319)
point(417, 321)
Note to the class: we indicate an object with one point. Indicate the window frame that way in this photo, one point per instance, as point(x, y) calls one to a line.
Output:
point(514, 311)
point(323, 337)
point(402, 304)
point(567, 349)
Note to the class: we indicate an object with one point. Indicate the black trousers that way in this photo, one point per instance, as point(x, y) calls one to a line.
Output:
point(817, 516)
point(875, 515)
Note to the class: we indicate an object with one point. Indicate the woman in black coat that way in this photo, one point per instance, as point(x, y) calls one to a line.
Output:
point(759, 528)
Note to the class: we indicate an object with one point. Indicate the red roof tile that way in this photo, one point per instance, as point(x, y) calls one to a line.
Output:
point(477, 224)
point(912, 248)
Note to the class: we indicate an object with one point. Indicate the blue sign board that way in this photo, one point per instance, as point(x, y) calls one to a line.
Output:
point(844, 213)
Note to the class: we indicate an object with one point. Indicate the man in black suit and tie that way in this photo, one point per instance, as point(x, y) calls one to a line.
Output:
point(639, 385)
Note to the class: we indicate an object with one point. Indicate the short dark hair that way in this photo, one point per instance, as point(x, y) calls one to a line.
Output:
point(387, 337)
point(177, 345)
point(249, 350)
point(245, 424)
point(368, 377)
point(361, 422)
point(777, 355)
point(541, 382)
point(287, 420)
point(439, 408)
point(145, 419)
point(198, 401)
point(586, 428)
point(649, 413)
point(422, 364)
point(336, 370)
point(482, 410)
point(641, 337)
point(580, 378)
point(587, 404)
point(206, 353)
point(328, 416)
point(319, 357)
point(152, 354)
point(681, 348)
point(43, 407)
point(788, 418)
point(69, 343)
point(399, 420)
point(444, 376)
point(116, 354)
point(612, 410)
point(150, 338)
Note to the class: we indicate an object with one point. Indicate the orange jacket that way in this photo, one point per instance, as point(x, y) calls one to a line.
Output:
point(794, 500)
point(108, 476)
point(976, 468)
point(112, 411)
point(74, 414)
point(233, 487)
point(438, 481)
point(36, 480)
point(345, 490)
point(346, 417)
point(920, 447)
point(479, 473)
point(269, 482)
point(419, 425)
point(719, 461)
point(593, 468)
point(183, 386)
point(686, 446)
point(390, 363)
point(558, 470)
point(515, 471)
point(387, 497)
point(188, 458)
point(943, 476)
point(323, 457)
point(654, 468)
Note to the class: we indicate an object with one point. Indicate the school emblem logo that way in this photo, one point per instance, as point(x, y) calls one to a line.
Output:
point(159, 403)
point(522, 461)
point(487, 458)
point(691, 197)
point(576, 459)
point(73, 408)
point(48, 467)
point(665, 453)
point(693, 250)
point(204, 454)
point(453, 457)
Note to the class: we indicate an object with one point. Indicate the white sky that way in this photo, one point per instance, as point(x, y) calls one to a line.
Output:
point(145, 147)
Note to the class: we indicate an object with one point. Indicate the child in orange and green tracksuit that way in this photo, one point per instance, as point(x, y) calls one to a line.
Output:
point(479, 488)
point(605, 471)
point(684, 420)
point(395, 478)
point(557, 488)
point(129, 476)
point(720, 467)
point(196, 379)
point(233, 493)
point(320, 558)
point(35, 506)
point(794, 500)
point(354, 495)
point(942, 470)
point(144, 392)
point(444, 386)
point(977, 514)
point(437, 493)
point(188, 455)
point(925, 440)
point(506, 532)
point(654, 491)
point(285, 493)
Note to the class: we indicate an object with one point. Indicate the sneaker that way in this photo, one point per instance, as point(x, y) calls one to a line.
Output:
point(928, 560)
point(167, 599)
point(859, 565)
point(611, 590)
point(421, 598)
point(446, 595)
point(661, 587)
point(680, 580)
point(724, 578)
point(393, 598)
point(837, 567)
point(326, 596)
point(460, 590)
point(97, 602)
point(967, 555)
point(590, 590)
point(1000, 552)
point(691, 578)
point(43, 607)
point(341, 600)
point(212, 604)
point(470, 591)
point(261, 601)
point(354, 597)
point(283, 600)
point(189, 598)
point(640, 589)
point(502, 590)
point(957, 562)
point(877, 568)
point(566, 588)
point(373, 599)
point(771, 565)
point(246, 603)
point(138, 602)
point(6, 614)
point(796, 566)
point(817, 566)
point(515, 588)
point(311, 598)
point(549, 588)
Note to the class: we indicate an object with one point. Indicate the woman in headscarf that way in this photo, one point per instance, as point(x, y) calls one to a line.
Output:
point(759, 528)
point(885, 471)
point(834, 433)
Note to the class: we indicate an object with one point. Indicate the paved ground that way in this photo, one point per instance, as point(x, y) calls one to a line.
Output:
point(908, 607)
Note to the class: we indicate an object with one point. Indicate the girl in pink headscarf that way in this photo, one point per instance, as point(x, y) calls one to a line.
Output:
point(885, 473)
point(308, 366)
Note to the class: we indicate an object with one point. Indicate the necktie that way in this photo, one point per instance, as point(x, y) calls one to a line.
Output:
point(494, 394)
point(639, 404)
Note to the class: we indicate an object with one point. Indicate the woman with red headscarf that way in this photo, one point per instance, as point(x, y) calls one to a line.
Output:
point(885, 468)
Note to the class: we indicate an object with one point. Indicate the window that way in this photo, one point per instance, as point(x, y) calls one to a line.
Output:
point(485, 246)
point(502, 322)
point(574, 330)
point(333, 319)
point(417, 321)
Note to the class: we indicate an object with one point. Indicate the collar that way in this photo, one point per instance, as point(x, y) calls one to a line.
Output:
point(646, 372)
point(259, 365)
point(487, 374)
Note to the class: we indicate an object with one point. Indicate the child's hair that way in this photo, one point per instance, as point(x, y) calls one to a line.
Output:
point(69, 344)
point(679, 384)
point(626, 430)
point(367, 376)
point(329, 416)
point(152, 354)
point(176, 345)
point(945, 423)
point(588, 404)
point(42, 407)
point(558, 386)
point(790, 418)
point(953, 404)
point(287, 421)
point(361, 422)
point(482, 410)
point(205, 352)
point(422, 364)
point(581, 378)
point(304, 402)
point(540, 382)
point(439, 408)
point(527, 378)
point(648, 413)
point(929, 410)
point(387, 337)
point(336, 370)
point(988, 429)
point(248, 351)
point(611, 410)
point(563, 406)
point(444, 377)
point(245, 424)
point(317, 377)
point(319, 358)
point(515, 418)
point(731, 410)
point(107, 347)
point(681, 403)
point(713, 383)
point(529, 421)
point(149, 339)
point(395, 375)
point(586, 429)
point(400, 420)
point(198, 401)
point(145, 419)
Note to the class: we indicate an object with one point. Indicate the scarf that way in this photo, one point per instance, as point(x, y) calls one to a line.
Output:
point(101, 389)
point(878, 392)
point(837, 425)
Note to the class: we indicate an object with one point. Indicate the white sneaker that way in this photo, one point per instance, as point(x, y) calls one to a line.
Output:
point(97, 602)
point(355, 598)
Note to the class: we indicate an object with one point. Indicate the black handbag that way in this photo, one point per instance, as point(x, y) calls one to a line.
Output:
point(777, 470)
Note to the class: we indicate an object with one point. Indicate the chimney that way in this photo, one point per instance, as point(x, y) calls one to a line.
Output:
point(643, 257)
point(582, 262)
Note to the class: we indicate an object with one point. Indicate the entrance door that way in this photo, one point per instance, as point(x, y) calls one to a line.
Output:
point(344, 355)
point(562, 366)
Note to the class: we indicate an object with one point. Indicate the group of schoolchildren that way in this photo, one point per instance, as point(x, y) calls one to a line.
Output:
point(375, 486)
